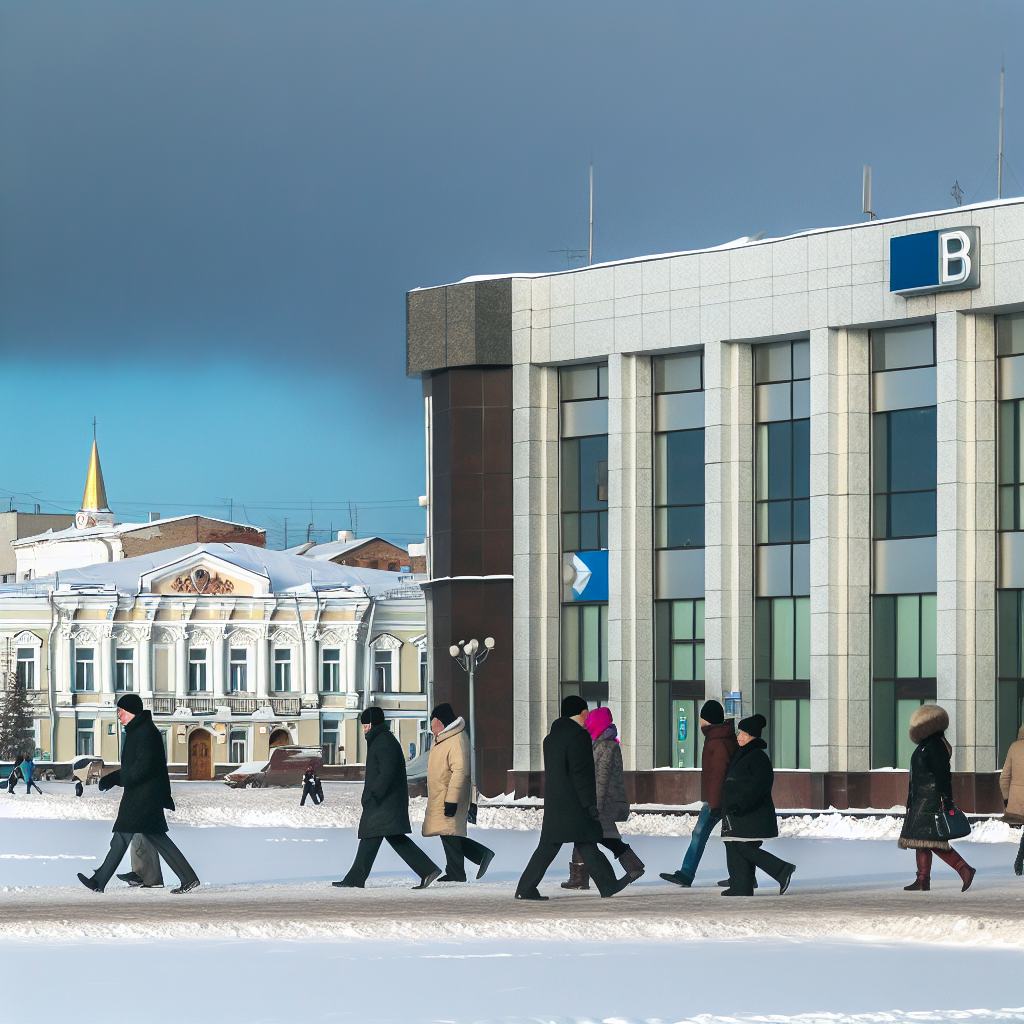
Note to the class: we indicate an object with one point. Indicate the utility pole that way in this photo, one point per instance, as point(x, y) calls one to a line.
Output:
point(286, 533)
point(591, 250)
point(999, 173)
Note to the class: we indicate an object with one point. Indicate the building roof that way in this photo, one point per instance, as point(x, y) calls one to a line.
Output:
point(116, 529)
point(286, 573)
point(329, 551)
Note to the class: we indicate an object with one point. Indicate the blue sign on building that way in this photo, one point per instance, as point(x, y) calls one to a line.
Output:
point(591, 581)
point(935, 261)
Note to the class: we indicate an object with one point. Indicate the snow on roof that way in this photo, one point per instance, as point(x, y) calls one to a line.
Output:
point(333, 548)
point(287, 573)
point(105, 530)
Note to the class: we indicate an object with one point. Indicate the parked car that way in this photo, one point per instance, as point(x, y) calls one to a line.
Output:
point(86, 767)
point(285, 768)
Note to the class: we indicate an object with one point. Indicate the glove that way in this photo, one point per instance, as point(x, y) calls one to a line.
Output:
point(109, 781)
point(592, 811)
point(450, 809)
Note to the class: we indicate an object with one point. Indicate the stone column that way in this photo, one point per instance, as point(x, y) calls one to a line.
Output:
point(840, 551)
point(350, 666)
point(145, 649)
point(630, 558)
point(69, 662)
point(262, 666)
point(536, 588)
point(309, 664)
point(180, 663)
point(965, 536)
point(218, 655)
point(728, 511)
point(105, 657)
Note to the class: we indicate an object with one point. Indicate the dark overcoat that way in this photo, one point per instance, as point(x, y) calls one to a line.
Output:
point(570, 786)
point(930, 782)
point(143, 776)
point(747, 806)
point(385, 789)
point(720, 746)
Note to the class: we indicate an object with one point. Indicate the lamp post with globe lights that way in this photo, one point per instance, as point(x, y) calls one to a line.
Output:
point(470, 654)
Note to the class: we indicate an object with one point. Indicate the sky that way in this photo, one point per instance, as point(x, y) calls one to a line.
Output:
point(211, 210)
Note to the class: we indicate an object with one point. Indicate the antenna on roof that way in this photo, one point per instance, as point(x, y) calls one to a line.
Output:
point(590, 253)
point(999, 173)
point(867, 192)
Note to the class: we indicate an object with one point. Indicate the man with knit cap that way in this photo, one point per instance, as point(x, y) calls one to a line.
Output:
point(570, 805)
point(749, 813)
point(147, 793)
point(385, 807)
point(719, 747)
point(448, 795)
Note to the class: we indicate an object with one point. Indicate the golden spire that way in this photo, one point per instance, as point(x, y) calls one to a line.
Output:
point(95, 497)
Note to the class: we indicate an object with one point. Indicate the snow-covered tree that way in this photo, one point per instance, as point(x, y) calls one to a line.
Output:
point(17, 737)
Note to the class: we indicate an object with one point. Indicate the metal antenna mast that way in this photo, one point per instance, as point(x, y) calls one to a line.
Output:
point(999, 173)
point(590, 257)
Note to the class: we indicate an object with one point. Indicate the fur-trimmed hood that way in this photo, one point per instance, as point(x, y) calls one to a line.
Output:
point(926, 721)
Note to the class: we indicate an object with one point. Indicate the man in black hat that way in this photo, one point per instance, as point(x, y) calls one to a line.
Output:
point(385, 807)
point(147, 792)
point(570, 805)
point(749, 814)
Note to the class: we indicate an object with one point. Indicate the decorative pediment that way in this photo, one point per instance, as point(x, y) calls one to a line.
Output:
point(242, 638)
point(385, 642)
point(419, 641)
point(285, 637)
point(339, 635)
point(201, 581)
point(26, 639)
point(133, 635)
point(168, 634)
point(204, 574)
point(205, 637)
point(83, 635)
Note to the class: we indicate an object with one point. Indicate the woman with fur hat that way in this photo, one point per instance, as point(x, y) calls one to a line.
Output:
point(1011, 783)
point(930, 787)
point(612, 805)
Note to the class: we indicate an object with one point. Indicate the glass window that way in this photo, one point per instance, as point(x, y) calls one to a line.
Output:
point(678, 373)
point(282, 671)
point(423, 669)
point(331, 740)
point(585, 493)
point(784, 482)
point(585, 649)
point(1010, 334)
point(782, 361)
point(330, 676)
point(905, 468)
point(124, 665)
point(583, 382)
point(238, 667)
point(237, 743)
point(26, 670)
point(679, 489)
point(679, 628)
point(197, 670)
point(383, 680)
point(1011, 465)
point(85, 680)
point(786, 623)
point(791, 733)
point(1009, 669)
point(901, 348)
point(86, 737)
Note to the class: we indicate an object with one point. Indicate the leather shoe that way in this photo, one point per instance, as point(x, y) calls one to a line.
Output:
point(89, 882)
point(451, 878)
point(533, 895)
point(619, 885)
point(787, 877)
point(484, 864)
point(131, 878)
point(736, 892)
point(677, 878)
point(346, 885)
point(186, 887)
point(725, 883)
point(429, 879)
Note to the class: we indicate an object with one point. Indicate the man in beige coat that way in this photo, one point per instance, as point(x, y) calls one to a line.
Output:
point(448, 794)
point(1011, 782)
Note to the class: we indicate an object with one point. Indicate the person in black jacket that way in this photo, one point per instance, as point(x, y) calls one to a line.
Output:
point(749, 814)
point(385, 807)
point(311, 787)
point(147, 792)
point(570, 805)
point(930, 792)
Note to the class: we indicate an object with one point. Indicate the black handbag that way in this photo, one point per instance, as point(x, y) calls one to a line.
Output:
point(951, 822)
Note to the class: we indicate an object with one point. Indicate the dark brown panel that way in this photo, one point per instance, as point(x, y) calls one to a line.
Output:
point(497, 440)
point(466, 388)
point(467, 440)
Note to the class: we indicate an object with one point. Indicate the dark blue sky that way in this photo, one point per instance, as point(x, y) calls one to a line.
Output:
point(211, 210)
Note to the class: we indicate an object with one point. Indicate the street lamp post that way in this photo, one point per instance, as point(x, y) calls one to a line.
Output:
point(469, 654)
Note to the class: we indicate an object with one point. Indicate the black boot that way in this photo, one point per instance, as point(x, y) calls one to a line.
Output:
point(579, 876)
point(1018, 864)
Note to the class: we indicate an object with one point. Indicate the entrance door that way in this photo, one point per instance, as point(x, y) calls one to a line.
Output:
point(200, 755)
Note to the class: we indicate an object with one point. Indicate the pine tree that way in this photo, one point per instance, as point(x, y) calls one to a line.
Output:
point(17, 736)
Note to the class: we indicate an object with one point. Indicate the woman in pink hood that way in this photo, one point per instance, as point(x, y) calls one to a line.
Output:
point(612, 805)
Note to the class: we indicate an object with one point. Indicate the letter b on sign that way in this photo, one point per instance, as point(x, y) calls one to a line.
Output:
point(954, 257)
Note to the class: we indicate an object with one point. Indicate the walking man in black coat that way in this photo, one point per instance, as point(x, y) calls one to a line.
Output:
point(749, 813)
point(385, 807)
point(570, 805)
point(147, 791)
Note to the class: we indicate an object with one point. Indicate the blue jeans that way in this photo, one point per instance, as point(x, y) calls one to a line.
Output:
point(706, 821)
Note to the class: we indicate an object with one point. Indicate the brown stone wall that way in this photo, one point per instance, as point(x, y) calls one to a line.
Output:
point(163, 534)
point(380, 554)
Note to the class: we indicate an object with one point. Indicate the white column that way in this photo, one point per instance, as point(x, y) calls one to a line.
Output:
point(728, 512)
point(145, 666)
point(965, 536)
point(69, 663)
point(181, 664)
point(262, 667)
point(350, 666)
point(105, 666)
point(217, 653)
point(309, 665)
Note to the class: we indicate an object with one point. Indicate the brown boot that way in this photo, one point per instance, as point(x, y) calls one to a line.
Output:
point(631, 864)
point(924, 873)
point(960, 866)
point(579, 877)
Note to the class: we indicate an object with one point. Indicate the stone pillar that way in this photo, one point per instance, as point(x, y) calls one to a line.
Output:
point(536, 602)
point(218, 655)
point(630, 558)
point(965, 536)
point(263, 666)
point(69, 662)
point(840, 551)
point(351, 682)
point(105, 658)
point(309, 664)
point(181, 663)
point(145, 649)
point(728, 511)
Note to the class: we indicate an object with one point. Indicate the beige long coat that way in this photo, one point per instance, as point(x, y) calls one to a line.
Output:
point(1011, 782)
point(448, 781)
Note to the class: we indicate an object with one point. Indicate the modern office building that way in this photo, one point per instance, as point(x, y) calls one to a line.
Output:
point(785, 472)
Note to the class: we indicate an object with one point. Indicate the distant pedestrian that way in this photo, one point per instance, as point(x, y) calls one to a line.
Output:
point(612, 805)
point(570, 805)
point(311, 787)
point(448, 796)
point(749, 813)
point(147, 792)
point(28, 767)
point(12, 780)
point(79, 788)
point(385, 803)
point(1011, 782)
point(720, 747)
point(930, 791)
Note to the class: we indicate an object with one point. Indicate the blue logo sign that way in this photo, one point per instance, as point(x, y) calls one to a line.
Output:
point(591, 576)
point(935, 261)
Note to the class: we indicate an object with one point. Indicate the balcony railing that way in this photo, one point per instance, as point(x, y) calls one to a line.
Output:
point(161, 705)
point(240, 705)
point(286, 705)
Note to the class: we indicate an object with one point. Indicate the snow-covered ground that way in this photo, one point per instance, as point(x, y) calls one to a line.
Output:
point(845, 945)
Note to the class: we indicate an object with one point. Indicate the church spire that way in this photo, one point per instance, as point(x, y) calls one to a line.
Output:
point(95, 497)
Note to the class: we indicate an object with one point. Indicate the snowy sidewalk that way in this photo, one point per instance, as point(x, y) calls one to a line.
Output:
point(991, 913)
